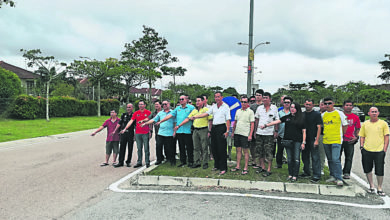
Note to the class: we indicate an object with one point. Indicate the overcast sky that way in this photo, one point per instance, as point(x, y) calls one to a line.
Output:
point(336, 41)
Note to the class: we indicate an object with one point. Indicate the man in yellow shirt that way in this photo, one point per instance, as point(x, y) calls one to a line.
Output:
point(374, 140)
point(200, 135)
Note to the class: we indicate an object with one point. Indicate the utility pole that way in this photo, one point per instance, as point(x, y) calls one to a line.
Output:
point(250, 51)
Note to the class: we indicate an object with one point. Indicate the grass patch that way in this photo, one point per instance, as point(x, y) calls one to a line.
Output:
point(21, 129)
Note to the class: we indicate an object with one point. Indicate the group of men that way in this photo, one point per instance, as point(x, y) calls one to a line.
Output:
point(329, 132)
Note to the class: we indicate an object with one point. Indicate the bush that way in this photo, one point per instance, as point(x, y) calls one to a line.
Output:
point(10, 85)
point(26, 107)
point(106, 105)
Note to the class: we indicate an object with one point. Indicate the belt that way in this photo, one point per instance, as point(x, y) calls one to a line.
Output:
point(200, 128)
point(219, 125)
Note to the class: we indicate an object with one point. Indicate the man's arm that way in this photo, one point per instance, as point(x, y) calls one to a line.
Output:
point(303, 138)
point(147, 123)
point(386, 143)
point(200, 116)
point(98, 130)
point(116, 128)
point(181, 124)
point(127, 126)
point(227, 128)
point(318, 135)
point(251, 132)
point(362, 139)
point(165, 119)
point(345, 129)
point(256, 125)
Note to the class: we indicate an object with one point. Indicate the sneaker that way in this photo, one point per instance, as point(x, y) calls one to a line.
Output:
point(339, 183)
point(331, 179)
point(314, 180)
point(304, 175)
point(346, 176)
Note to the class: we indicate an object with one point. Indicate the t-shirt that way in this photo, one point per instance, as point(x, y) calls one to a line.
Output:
point(333, 127)
point(293, 131)
point(266, 117)
point(243, 120)
point(165, 128)
point(137, 117)
point(312, 120)
point(374, 134)
point(110, 128)
point(182, 113)
point(221, 114)
point(200, 122)
point(353, 123)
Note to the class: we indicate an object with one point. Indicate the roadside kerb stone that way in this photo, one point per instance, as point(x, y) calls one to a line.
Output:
point(338, 191)
point(268, 186)
point(148, 180)
point(302, 188)
point(202, 182)
point(243, 184)
point(172, 181)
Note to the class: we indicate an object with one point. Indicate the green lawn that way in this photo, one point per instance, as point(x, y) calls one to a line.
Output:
point(21, 129)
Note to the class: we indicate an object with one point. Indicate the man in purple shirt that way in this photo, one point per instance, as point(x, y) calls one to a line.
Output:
point(112, 141)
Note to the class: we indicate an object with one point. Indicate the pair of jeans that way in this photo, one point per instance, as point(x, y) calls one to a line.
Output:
point(293, 150)
point(143, 141)
point(332, 152)
point(186, 148)
point(311, 155)
point(165, 143)
point(348, 153)
point(219, 146)
point(127, 139)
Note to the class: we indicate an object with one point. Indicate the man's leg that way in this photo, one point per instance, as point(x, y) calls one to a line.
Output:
point(316, 163)
point(370, 180)
point(159, 149)
point(246, 154)
point(182, 149)
point(122, 148)
point(322, 152)
point(269, 146)
point(138, 139)
point(279, 153)
point(336, 161)
point(130, 145)
point(115, 150)
point(196, 139)
point(190, 149)
point(239, 153)
point(306, 155)
point(214, 145)
point(348, 153)
point(145, 140)
point(204, 156)
point(221, 146)
point(328, 152)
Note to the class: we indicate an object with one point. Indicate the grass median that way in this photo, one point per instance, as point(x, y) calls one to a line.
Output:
point(21, 129)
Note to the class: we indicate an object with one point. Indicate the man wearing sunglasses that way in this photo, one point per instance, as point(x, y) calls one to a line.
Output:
point(253, 106)
point(335, 125)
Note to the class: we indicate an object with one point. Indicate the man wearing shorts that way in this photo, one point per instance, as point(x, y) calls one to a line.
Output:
point(112, 140)
point(374, 140)
point(242, 133)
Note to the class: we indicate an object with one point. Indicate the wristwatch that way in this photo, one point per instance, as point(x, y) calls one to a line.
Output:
point(303, 142)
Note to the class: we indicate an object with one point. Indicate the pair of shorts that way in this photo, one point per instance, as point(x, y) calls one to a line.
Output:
point(241, 141)
point(264, 146)
point(369, 159)
point(112, 146)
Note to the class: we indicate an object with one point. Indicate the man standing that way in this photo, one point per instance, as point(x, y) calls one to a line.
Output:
point(112, 140)
point(374, 140)
point(265, 114)
point(242, 133)
point(200, 135)
point(126, 138)
point(205, 104)
point(142, 134)
point(313, 122)
point(164, 139)
point(350, 137)
point(219, 131)
point(320, 141)
point(253, 106)
point(287, 100)
point(335, 126)
point(183, 134)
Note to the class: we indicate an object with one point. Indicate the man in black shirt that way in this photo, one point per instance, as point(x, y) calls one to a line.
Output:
point(127, 138)
point(313, 122)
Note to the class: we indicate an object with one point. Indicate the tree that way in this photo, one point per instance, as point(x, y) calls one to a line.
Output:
point(231, 91)
point(173, 71)
point(385, 76)
point(63, 89)
point(10, 85)
point(7, 2)
point(151, 49)
point(297, 86)
point(48, 68)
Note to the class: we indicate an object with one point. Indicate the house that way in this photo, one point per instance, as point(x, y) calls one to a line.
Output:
point(27, 78)
point(156, 93)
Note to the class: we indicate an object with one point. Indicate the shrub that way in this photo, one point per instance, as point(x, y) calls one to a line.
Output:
point(10, 85)
point(106, 105)
point(26, 107)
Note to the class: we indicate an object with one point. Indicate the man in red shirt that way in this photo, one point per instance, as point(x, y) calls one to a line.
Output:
point(350, 138)
point(142, 134)
point(112, 141)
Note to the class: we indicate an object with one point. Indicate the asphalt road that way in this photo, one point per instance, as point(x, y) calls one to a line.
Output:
point(60, 178)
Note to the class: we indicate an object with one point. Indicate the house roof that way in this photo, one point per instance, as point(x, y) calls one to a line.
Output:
point(155, 92)
point(21, 73)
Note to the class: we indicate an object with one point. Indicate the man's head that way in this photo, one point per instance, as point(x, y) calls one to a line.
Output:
point(348, 106)
point(141, 105)
point(322, 106)
point(113, 114)
point(373, 113)
point(244, 102)
point(309, 105)
point(218, 97)
point(287, 100)
point(157, 105)
point(252, 99)
point(267, 99)
point(166, 105)
point(183, 100)
point(329, 104)
point(129, 108)
point(259, 95)
point(199, 102)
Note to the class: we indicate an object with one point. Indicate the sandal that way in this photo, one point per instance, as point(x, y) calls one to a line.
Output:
point(235, 169)
point(260, 170)
point(104, 164)
point(244, 172)
point(222, 172)
point(371, 191)
point(256, 167)
point(381, 193)
point(289, 178)
point(267, 174)
point(214, 169)
point(293, 179)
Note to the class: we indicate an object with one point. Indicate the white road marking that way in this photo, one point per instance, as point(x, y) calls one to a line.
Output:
point(114, 187)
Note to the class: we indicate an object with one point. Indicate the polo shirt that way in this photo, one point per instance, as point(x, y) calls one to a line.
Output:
point(137, 117)
point(266, 117)
point(353, 123)
point(333, 127)
point(166, 128)
point(180, 114)
point(221, 114)
point(282, 113)
point(312, 120)
point(110, 128)
point(243, 121)
point(200, 122)
point(374, 134)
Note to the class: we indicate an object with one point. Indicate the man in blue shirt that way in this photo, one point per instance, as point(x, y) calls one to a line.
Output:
point(165, 135)
point(186, 147)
